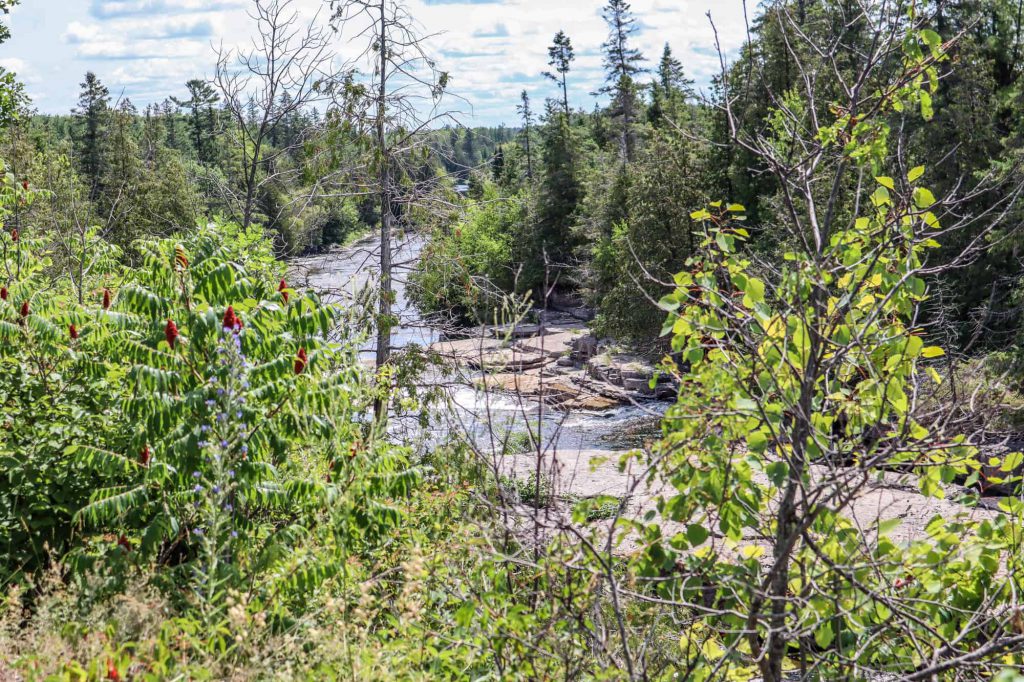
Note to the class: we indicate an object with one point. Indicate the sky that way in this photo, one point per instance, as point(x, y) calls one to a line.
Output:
point(493, 49)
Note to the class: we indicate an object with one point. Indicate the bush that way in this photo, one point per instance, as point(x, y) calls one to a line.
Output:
point(466, 270)
point(195, 417)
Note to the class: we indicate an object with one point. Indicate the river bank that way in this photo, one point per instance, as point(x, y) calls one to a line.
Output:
point(552, 374)
point(549, 397)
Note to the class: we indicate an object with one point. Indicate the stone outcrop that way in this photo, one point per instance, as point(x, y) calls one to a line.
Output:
point(508, 360)
point(632, 374)
point(555, 344)
point(556, 391)
point(558, 362)
point(465, 350)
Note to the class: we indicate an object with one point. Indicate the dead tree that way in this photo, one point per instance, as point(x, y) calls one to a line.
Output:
point(286, 70)
point(390, 112)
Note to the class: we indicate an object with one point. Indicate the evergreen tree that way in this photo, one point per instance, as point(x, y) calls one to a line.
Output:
point(152, 133)
point(122, 171)
point(621, 64)
point(469, 148)
point(91, 113)
point(557, 200)
point(671, 75)
point(202, 118)
point(527, 115)
point(169, 110)
point(670, 89)
point(498, 164)
point(560, 57)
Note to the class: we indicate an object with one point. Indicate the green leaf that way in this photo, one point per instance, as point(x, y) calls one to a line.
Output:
point(880, 197)
point(755, 290)
point(915, 173)
point(1012, 462)
point(465, 613)
point(926, 106)
point(923, 197)
point(777, 472)
point(931, 38)
point(886, 526)
point(823, 636)
point(669, 303)
point(886, 181)
point(932, 352)
point(696, 534)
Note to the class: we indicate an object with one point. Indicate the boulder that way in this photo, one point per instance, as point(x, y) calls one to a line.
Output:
point(584, 348)
point(592, 402)
point(639, 385)
point(666, 390)
point(556, 392)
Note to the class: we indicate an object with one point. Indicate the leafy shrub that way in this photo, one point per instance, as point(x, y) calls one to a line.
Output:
point(467, 269)
point(801, 385)
point(196, 412)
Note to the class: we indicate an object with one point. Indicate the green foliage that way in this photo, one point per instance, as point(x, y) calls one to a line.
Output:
point(194, 441)
point(189, 492)
point(13, 98)
point(467, 269)
point(650, 242)
point(804, 371)
point(553, 239)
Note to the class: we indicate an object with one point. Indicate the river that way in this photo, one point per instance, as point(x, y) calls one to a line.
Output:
point(338, 276)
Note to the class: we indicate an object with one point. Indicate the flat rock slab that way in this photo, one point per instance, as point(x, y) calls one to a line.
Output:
point(508, 359)
point(464, 350)
point(554, 344)
point(555, 391)
point(516, 331)
point(580, 474)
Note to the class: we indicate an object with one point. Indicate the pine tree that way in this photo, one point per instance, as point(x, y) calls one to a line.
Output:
point(202, 118)
point(169, 110)
point(527, 114)
point(469, 148)
point(560, 57)
point(91, 113)
point(121, 176)
point(498, 164)
point(671, 76)
point(559, 195)
point(621, 64)
point(152, 132)
point(670, 89)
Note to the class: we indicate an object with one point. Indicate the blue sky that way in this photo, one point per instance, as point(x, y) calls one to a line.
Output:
point(147, 49)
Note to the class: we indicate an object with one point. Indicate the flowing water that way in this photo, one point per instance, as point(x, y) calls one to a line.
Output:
point(340, 274)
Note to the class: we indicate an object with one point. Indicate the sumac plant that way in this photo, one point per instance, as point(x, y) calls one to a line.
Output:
point(170, 428)
point(802, 382)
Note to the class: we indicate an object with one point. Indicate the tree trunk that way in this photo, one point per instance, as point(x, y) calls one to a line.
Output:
point(565, 97)
point(384, 307)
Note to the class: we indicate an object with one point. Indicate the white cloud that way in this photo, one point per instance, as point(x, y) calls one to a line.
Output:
point(149, 48)
point(13, 64)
